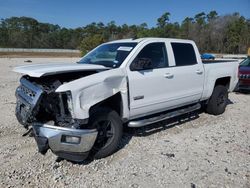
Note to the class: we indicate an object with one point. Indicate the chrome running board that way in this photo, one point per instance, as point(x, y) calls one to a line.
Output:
point(168, 115)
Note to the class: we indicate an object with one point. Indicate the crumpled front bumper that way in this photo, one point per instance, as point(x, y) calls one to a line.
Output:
point(54, 138)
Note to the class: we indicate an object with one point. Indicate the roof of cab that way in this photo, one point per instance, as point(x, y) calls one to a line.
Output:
point(138, 40)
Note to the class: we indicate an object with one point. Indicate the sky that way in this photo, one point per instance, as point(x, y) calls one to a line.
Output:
point(78, 13)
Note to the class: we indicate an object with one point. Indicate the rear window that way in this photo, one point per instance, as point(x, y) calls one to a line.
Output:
point(245, 63)
point(184, 54)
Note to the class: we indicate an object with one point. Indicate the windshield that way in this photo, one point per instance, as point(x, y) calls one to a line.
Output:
point(109, 55)
point(245, 63)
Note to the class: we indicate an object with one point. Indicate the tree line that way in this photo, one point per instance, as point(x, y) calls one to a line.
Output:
point(211, 32)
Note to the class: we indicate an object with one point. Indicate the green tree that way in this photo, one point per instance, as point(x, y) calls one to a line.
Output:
point(200, 18)
point(163, 20)
point(212, 15)
point(236, 35)
point(90, 42)
point(186, 27)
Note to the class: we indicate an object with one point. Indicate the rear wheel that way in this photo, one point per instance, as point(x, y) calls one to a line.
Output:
point(218, 101)
point(109, 126)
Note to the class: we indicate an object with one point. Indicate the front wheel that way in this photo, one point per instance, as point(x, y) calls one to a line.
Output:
point(218, 101)
point(110, 128)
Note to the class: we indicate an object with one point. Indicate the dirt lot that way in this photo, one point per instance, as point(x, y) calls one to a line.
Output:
point(197, 150)
point(38, 54)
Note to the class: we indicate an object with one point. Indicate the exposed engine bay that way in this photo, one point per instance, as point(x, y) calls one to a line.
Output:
point(37, 100)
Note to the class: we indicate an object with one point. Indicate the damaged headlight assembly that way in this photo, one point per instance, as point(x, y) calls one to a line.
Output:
point(69, 102)
point(66, 105)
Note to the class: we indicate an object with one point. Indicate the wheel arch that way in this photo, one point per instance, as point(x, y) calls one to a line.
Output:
point(114, 102)
point(224, 81)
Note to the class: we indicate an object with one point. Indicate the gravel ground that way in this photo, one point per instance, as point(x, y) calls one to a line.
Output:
point(197, 150)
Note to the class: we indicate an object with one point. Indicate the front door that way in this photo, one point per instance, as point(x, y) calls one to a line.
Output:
point(148, 89)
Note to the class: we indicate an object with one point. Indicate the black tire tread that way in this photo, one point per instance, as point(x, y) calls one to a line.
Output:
point(212, 107)
point(113, 146)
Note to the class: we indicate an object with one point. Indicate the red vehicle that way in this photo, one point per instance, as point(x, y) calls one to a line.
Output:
point(244, 74)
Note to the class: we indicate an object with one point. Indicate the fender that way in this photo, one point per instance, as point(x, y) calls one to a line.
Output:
point(95, 88)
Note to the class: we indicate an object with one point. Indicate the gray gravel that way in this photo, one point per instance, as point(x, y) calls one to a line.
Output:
point(198, 150)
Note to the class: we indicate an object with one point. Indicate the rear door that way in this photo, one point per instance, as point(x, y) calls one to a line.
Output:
point(188, 74)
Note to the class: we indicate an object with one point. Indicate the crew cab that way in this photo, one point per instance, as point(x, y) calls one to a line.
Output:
point(79, 109)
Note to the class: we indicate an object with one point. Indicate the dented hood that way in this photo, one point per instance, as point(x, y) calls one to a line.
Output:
point(39, 70)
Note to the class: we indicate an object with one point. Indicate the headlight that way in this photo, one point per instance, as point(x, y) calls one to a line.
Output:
point(69, 102)
point(66, 98)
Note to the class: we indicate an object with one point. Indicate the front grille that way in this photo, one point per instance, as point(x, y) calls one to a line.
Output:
point(28, 92)
point(28, 95)
point(244, 76)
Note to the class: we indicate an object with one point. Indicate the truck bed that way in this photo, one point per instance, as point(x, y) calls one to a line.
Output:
point(219, 61)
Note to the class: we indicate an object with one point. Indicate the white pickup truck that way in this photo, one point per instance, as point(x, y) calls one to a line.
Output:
point(80, 109)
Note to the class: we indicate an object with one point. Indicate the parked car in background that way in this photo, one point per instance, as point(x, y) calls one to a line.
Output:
point(207, 56)
point(244, 74)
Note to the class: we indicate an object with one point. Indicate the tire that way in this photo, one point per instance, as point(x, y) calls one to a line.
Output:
point(110, 128)
point(218, 101)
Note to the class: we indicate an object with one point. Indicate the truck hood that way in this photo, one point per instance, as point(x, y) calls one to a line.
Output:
point(39, 70)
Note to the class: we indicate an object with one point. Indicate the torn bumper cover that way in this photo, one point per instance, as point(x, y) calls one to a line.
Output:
point(68, 143)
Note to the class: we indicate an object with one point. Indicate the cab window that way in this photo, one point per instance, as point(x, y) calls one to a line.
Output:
point(153, 54)
point(184, 54)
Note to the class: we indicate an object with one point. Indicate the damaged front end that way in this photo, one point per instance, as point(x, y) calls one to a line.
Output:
point(49, 113)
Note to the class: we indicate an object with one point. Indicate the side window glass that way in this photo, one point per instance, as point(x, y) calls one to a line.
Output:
point(152, 56)
point(184, 54)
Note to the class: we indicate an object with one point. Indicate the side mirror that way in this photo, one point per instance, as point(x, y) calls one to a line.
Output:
point(141, 64)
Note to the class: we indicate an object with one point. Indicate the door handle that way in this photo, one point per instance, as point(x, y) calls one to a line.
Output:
point(199, 71)
point(168, 75)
